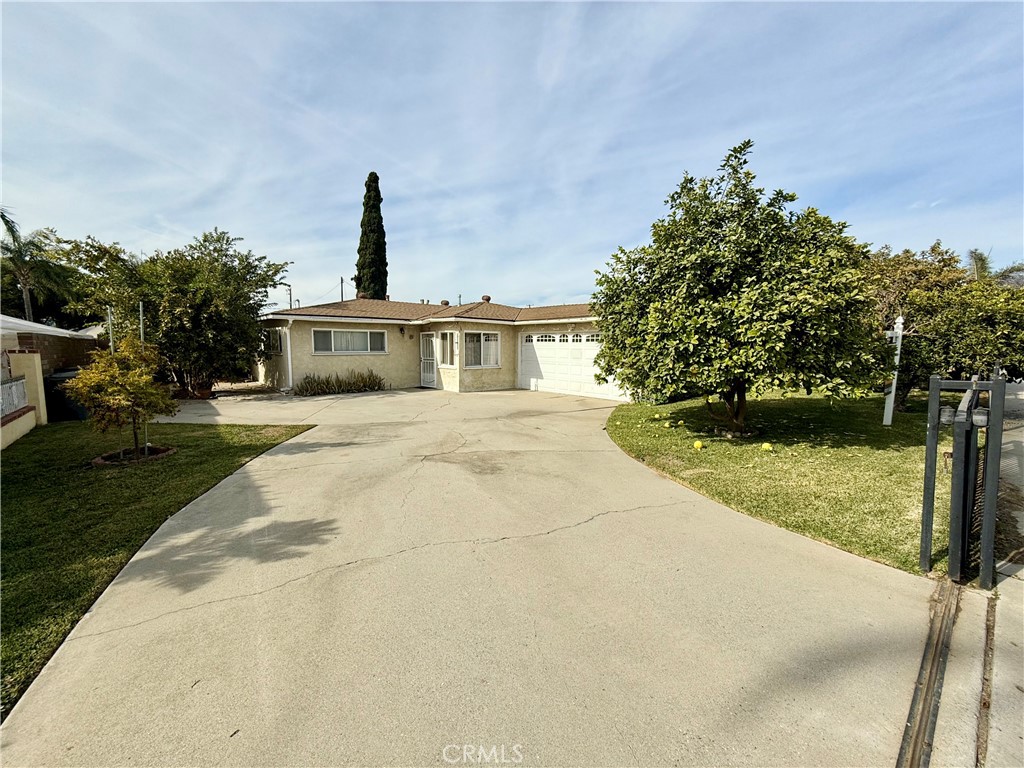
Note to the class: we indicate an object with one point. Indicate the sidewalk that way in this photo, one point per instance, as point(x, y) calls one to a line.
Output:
point(1006, 732)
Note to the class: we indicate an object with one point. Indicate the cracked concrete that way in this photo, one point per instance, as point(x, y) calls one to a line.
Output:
point(423, 569)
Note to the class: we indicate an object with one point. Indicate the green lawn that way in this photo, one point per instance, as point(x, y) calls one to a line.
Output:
point(67, 528)
point(833, 473)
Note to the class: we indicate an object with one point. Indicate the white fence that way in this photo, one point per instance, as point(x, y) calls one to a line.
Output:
point(14, 395)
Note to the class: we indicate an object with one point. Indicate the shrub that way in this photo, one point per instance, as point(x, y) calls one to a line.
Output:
point(333, 384)
point(119, 389)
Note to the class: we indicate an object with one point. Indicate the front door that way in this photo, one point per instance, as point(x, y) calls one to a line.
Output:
point(428, 361)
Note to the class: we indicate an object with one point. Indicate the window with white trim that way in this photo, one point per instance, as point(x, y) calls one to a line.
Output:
point(449, 343)
point(528, 339)
point(545, 337)
point(349, 342)
point(591, 337)
point(577, 338)
point(564, 337)
point(482, 350)
point(272, 341)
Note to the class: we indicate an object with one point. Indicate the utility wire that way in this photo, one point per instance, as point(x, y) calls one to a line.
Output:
point(332, 290)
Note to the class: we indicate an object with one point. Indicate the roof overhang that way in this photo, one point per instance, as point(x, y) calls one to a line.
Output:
point(332, 319)
point(426, 320)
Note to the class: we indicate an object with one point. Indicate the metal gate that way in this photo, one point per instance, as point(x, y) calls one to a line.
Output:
point(977, 442)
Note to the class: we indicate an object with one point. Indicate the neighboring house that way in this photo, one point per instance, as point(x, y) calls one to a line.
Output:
point(58, 348)
point(468, 348)
point(29, 352)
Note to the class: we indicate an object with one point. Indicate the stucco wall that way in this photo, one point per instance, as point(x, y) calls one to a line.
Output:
point(274, 371)
point(400, 365)
point(484, 379)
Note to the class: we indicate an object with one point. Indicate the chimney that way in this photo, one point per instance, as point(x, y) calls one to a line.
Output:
point(423, 301)
point(444, 302)
point(486, 299)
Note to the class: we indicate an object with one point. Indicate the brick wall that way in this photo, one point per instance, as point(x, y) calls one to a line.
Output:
point(57, 352)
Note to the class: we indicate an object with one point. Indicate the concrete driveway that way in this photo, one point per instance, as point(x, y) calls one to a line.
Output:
point(425, 571)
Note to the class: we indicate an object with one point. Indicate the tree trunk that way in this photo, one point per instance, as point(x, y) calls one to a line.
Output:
point(736, 404)
point(135, 434)
point(27, 298)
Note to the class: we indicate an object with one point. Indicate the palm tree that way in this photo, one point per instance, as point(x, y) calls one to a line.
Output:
point(27, 258)
point(10, 227)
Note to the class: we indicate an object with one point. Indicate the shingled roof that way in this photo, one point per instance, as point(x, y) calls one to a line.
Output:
point(375, 309)
point(479, 310)
point(557, 312)
point(370, 309)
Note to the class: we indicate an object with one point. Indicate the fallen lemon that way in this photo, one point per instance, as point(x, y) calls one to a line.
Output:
point(697, 445)
point(766, 446)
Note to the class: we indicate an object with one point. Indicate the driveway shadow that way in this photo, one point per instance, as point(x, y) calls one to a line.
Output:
point(192, 555)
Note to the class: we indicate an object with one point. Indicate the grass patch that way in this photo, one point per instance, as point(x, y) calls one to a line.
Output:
point(833, 473)
point(67, 527)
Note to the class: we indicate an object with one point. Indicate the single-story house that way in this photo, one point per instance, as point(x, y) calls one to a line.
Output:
point(466, 348)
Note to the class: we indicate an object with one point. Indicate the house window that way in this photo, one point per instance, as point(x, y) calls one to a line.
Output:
point(482, 350)
point(564, 337)
point(272, 341)
point(591, 337)
point(349, 342)
point(446, 356)
point(577, 338)
point(545, 337)
point(528, 339)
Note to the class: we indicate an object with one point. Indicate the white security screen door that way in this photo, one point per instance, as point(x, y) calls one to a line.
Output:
point(428, 361)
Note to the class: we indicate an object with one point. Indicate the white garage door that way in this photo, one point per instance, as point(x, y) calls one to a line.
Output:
point(563, 363)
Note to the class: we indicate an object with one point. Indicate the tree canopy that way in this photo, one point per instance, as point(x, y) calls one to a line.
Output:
point(737, 295)
point(119, 389)
point(372, 264)
point(34, 276)
point(960, 317)
point(202, 302)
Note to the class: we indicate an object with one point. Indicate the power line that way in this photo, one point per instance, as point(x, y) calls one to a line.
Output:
point(332, 289)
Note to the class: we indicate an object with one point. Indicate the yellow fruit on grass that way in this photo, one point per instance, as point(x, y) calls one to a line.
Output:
point(766, 446)
point(697, 445)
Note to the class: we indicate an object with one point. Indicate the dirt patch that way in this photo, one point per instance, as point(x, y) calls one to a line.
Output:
point(127, 457)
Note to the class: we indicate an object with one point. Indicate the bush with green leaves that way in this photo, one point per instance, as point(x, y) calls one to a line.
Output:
point(960, 317)
point(119, 388)
point(202, 302)
point(738, 295)
point(335, 384)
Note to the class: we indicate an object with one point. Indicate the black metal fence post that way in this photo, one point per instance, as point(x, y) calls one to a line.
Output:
point(993, 456)
point(958, 493)
point(930, 461)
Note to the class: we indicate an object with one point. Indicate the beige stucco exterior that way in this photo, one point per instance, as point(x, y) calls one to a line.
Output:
point(400, 365)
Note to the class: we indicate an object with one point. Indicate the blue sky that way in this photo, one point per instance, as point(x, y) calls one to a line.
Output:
point(518, 145)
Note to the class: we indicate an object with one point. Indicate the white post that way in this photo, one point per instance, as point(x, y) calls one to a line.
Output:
point(288, 338)
point(142, 344)
point(896, 337)
point(110, 328)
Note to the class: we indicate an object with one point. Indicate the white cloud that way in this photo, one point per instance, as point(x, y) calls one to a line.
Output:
point(518, 145)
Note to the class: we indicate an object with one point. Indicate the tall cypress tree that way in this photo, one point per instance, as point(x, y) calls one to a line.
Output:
point(372, 265)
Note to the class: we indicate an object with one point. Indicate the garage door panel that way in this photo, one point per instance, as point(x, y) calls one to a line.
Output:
point(562, 367)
